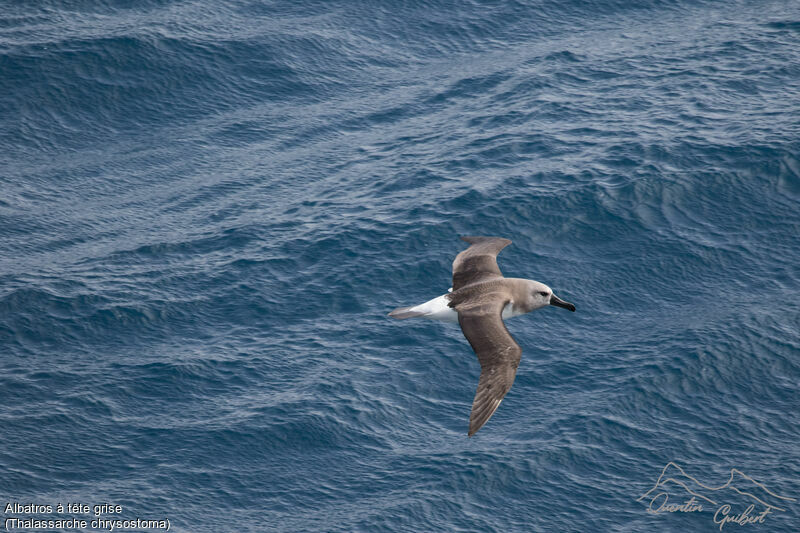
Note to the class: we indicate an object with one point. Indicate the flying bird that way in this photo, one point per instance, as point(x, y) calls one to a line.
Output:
point(481, 298)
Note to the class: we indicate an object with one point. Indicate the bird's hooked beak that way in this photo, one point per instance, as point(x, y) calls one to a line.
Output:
point(558, 302)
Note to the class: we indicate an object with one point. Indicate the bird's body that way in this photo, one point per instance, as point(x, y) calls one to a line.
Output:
point(480, 300)
point(439, 309)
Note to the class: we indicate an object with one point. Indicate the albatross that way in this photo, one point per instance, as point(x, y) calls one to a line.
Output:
point(480, 299)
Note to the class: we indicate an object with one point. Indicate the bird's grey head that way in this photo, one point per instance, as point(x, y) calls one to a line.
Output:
point(540, 295)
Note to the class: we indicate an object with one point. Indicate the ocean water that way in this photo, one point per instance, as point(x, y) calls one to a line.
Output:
point(207, 208)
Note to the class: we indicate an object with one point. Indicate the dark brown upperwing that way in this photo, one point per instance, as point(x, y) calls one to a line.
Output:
point(497, 351)
point(478, 262)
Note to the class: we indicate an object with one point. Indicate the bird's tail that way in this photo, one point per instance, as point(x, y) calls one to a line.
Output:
point(402, 313)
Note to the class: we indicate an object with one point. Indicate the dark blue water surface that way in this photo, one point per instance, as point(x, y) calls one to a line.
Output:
point(208, 207)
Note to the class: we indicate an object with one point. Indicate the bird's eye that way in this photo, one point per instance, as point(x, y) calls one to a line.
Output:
point(543, 293)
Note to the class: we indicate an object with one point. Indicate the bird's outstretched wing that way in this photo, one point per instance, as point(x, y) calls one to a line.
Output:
point(498, 353)
point(478, 262)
